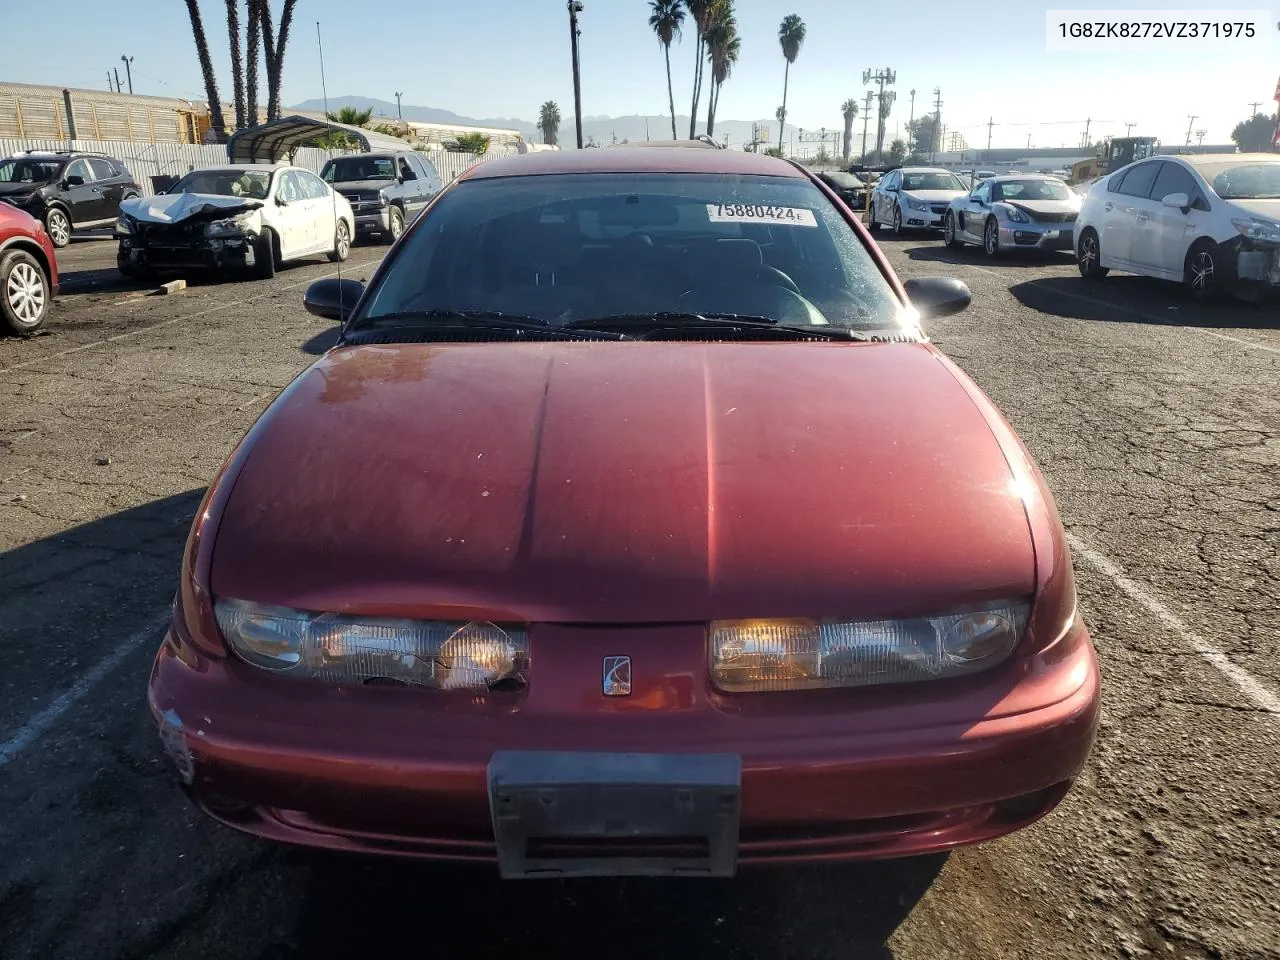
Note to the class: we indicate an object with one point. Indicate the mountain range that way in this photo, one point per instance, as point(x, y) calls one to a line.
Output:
point(602, 129)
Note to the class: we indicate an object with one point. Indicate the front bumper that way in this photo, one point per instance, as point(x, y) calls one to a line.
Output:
point(1037, 236)
point(862, 773)
point(371, 217)
point(930, 219)
point(211, 254)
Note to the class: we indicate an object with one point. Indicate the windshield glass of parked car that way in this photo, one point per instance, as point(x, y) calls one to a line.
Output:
point(1030, 190)
point(28, 171)
point(844, 180)
point(1244, 181)
point(571, 248)
point(931, 181)
point(346, 169)
point(225, 183)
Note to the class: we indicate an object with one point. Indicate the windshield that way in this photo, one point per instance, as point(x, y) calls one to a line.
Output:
point(346, 169)
point(844, 179)
point(27, 170)
point(225, 183)
point(1030, 190)
point(931, 180)
point(1244, 181)
point(571, 248)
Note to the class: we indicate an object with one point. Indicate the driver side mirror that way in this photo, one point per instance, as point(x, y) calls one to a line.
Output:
point(936, 297)
point(890, 189)
point(1179, 201)
point(74, 181)
point(333, 299)
point(978, 200)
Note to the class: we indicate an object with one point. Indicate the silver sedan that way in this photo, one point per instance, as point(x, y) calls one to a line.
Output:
point(1027, 211)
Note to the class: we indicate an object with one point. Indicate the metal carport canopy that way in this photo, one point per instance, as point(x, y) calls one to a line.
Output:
point(272, 140)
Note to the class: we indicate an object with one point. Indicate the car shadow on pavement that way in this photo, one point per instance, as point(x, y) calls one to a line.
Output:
point(847, 911)
point(1131, 299)
point(1023, 259)
point(322, 342)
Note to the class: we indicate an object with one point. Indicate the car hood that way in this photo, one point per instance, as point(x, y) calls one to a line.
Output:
point(362, 186)
point(1034, 207)
point(615, 483)
point(176, 207)
point(934, 196)
point(20, 189)
point(1259, 208)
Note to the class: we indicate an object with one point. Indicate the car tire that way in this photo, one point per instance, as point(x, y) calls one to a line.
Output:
point(949, 236)
point(58, 225)
point(397, 225)
point(25, 294)
point(873, 225)
point(991, 238)
point(264, 256)
point(897, 220)
point(341, 242)
point(1089, 256)
point(1202, 271)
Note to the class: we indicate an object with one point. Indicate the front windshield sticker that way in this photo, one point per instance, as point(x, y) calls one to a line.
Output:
point(760, 213)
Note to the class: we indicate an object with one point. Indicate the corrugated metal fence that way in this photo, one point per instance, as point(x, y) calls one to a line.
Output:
point(146, 160)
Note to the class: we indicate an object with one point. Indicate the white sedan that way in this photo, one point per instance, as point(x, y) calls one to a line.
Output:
point(1209, 221)
point(913, 198)
point(248, 217)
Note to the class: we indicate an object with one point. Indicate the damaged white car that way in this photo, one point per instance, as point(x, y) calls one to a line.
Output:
point(246, 218)
point(1209, 221)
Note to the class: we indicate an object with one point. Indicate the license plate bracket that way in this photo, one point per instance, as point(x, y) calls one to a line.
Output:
point(569, 813)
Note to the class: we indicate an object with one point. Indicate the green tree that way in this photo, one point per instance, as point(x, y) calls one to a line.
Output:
point(216, 121)
point(723, 49)
point(699, 12)
point(339, 139)
point(897, 152)
point(666, 18)
point(1255, 134)
point(273, 50)
point(253, 53)
point(849, 110)
point(549, 122)
point(920, 134)
point(476, 143)
point(237, 60)
point(791, 38)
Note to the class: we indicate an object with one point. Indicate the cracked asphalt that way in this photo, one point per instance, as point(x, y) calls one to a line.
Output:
point(1156, 422)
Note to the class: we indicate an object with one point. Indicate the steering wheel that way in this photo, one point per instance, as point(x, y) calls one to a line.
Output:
point(761, 274)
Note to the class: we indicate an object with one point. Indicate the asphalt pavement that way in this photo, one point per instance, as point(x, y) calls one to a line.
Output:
point(1157, 424)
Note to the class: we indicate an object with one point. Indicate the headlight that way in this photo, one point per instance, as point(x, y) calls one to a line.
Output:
point(234, 227)
point(124, 224)
point(1015, 215)
point(383, 201)
point(1258, 229)
point(915, 204)
point(339, 649)
point(750, 656)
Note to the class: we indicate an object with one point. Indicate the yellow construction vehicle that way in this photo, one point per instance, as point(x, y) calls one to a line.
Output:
point(1116, 153)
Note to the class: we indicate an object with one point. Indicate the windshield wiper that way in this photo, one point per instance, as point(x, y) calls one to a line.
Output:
point(654, 322)
point(477, 320)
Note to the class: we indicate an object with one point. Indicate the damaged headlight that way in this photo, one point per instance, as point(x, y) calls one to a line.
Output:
point(1258, 229)
point(124, 224)
point(233, 227)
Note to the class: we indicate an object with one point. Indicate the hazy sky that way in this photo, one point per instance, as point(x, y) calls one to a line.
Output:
point(502, 58)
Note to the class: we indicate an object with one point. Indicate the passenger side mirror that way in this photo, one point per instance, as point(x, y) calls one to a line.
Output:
point(936, 297)
point(74, 181)
point(977, 199)
point(333, 299)
point(891, 189)
point(1179, 200)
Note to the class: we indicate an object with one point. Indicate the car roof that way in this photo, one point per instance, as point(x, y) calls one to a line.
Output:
point(250, 167)
point(634, 160)
point(1205, 159)
point(923, 170)
point(696, 144)
point(1023, 176)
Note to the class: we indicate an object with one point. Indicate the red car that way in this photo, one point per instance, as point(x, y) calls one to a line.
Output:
point(28, 271)
point(632, 527)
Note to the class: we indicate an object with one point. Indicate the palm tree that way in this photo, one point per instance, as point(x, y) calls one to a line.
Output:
point(850, 111)
point(549, 122)
point(699, 11)
point(352, 116)
point(666, 19)
point(253, 43)
point(779, 114)
point(237, 61)
point(216, 122)
point(723, 47)
point(790, 38)
point(273, 51)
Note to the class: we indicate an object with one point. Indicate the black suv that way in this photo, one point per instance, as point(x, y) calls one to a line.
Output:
point(66, 190)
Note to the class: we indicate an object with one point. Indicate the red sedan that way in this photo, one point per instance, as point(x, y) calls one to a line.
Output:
point(632, 527)
point(28, 272)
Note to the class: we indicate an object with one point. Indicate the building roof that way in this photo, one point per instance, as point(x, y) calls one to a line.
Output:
point(635, 160)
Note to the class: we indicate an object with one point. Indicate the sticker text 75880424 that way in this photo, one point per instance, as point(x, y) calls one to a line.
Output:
point(760, 213)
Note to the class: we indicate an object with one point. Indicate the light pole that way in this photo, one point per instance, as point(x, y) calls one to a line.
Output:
point(575, 8)
point(399, 115)
point(881, 76)
point(127, 71)
point(1193, 118)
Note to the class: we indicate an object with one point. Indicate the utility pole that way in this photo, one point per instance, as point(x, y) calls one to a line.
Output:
point(936, 140)
point(1128, 127)
point(882, 76)
point(1084, 140)
point(116, 71)
point(128, 72)
point(991, 122)
point(1193, 119)
point(866, 117)
point(1028, 141)
point(575, 8)
point(1253, 108)
point(1200, 135)
point(399, 94)
point(109, 85)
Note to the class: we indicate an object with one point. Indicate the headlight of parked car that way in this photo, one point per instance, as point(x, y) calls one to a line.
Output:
point(1258, 229)
point(915, 204)
point(340, 649)
point(124, 224)
point(754, 656)
point(231, 227)
point(1014, 215)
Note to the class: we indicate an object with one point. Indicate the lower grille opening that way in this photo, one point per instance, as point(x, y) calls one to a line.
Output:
point(582, 848)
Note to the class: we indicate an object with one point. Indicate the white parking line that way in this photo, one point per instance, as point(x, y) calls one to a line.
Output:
point(34, 728)
point(1254, 689)
point(168, 323)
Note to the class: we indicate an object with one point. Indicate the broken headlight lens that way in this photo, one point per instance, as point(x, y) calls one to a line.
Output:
point(1258, 229)
point(232, 227)
point(447, 655)
point(757, 656)
point(124, 225)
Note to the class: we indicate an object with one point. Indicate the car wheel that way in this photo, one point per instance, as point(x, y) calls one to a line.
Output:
point(58, 225)
point(1089, 257)
point(1202, 274)
point(264, 256)
point(991, 237)
point(341, 242)
point(24, 293)
point(397, 225)
point(897, 220)
point(949, 232)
